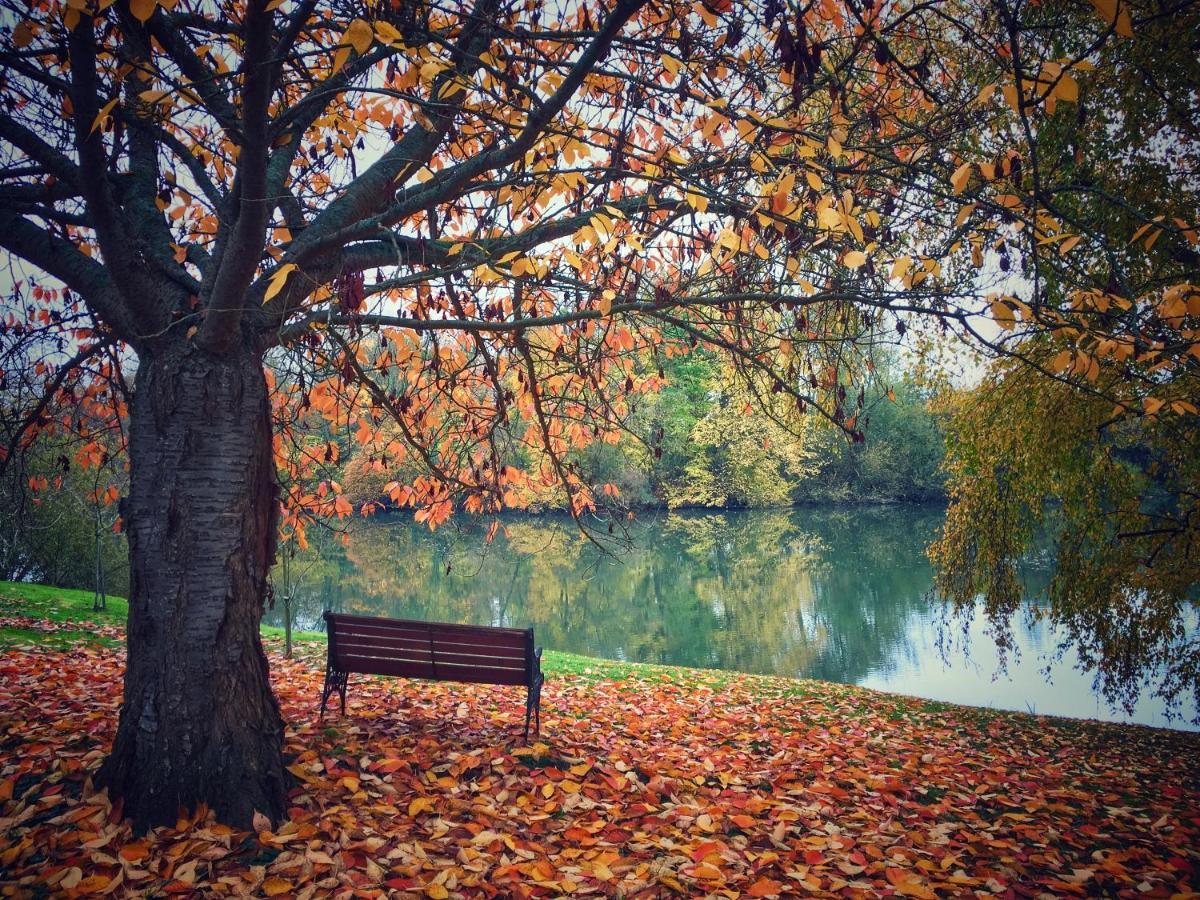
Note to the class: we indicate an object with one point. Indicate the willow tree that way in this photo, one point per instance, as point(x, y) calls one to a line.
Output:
point(1092, 399)
point(468, 234)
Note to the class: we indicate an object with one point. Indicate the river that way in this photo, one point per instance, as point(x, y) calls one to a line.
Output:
point(838, 594)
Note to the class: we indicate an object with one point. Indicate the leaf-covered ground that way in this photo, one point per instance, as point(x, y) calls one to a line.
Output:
point(646, 782)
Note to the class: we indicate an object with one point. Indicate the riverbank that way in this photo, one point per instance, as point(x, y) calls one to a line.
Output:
point(647, 781)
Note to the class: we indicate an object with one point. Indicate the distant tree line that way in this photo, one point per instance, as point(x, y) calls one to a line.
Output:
point(703, 442)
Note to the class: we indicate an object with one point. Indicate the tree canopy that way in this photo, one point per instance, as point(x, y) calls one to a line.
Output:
point(489, 225)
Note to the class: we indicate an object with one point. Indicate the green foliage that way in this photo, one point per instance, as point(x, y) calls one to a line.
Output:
point(61, 534)
point(741, 454)
point(1123, 521)
point(901, 459)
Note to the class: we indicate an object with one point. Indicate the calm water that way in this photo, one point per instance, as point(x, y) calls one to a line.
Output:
point(840, 595)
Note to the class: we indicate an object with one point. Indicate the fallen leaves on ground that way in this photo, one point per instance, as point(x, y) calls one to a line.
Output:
point(723, 786)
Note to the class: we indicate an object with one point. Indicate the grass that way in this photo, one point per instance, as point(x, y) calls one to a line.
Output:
point(40, 601)
point(69, 606)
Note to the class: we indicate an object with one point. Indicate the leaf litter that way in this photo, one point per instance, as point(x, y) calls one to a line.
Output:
point(700, 784)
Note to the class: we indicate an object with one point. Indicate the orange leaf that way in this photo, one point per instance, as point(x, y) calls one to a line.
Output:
point(765, 887)
point(274, 886)
point(134, 852)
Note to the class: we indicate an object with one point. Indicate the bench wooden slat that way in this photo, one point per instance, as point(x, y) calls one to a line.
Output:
point(346, 642)
point(348, 621)
point(374, 665)
point(343, 659)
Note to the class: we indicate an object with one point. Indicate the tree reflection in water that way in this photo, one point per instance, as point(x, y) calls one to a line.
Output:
point(830, 594)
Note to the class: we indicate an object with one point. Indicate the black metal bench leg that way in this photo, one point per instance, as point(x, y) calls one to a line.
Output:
point(334, 682)
point(528, 713)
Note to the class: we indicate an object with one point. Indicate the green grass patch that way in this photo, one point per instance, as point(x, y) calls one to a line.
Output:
point(39, 601)
point(55, 640)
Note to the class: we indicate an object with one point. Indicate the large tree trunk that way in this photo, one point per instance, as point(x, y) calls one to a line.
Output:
point(199, 723)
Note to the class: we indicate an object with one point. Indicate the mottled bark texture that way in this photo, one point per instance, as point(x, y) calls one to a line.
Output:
point(199, 722)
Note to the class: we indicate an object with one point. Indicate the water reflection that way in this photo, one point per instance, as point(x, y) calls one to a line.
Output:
point(840, 595)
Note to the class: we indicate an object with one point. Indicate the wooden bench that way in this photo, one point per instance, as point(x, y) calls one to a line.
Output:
point(478, 654)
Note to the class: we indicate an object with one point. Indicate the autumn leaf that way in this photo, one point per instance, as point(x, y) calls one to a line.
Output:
point(274, 886)
point(278, 279)
point(960, 177)
point(765, 887)
point(105, 110)
point(1115, 12)
point(142, 9)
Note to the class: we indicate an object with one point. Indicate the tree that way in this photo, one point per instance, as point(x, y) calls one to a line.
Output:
point(1084, 428)
point(486, 224)
point(740, 459)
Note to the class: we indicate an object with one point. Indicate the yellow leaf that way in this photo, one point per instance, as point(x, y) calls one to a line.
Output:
point(900, 266)
point(1068, 244)
point(1003, 315)
point(437, 892)
point(960, 177)
point(830, 218)
point(854, 259)
point(1061, 362)
point(103, 114)
point(698, 202)
point(339, 60)
point(386, 32)
point(278, 278)
point(142, 9)
point(606, 301)
point(1111, 11)
point(359, 36)
point(1137, 234)
point(911, 887)
point(274, 886)
point(1067, 88)
point(418, 805)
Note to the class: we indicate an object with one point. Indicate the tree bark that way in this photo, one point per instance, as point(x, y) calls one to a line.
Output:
point(199, 722)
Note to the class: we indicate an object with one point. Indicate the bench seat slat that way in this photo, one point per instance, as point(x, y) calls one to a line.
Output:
point(423, 655)
point(373, 665)
point(348, 640)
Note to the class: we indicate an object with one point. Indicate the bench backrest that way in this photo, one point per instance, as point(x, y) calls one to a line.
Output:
point(474, 653)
